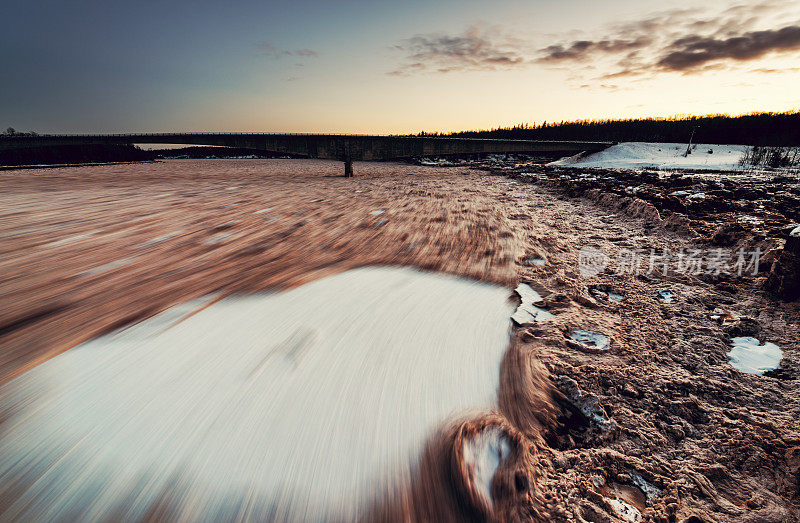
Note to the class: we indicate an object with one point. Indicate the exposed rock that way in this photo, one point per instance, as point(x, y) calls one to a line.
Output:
point(743, 327)
point(728, 234)
point(784, 277)
point(587, 402)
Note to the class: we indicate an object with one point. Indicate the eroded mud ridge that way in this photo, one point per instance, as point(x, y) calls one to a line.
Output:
point(732, 211)
point(620, 405)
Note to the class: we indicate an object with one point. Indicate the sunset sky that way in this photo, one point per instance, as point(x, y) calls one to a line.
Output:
point(387, 67)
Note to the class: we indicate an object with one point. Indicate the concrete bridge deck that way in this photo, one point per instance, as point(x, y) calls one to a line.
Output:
point(347, 148)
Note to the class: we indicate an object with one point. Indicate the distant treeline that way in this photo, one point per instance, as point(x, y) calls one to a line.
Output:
point(198, 152)
point(74, 154)
point(103, 153)
point(779, 129)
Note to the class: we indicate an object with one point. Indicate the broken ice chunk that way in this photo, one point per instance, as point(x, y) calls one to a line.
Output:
point(534, 261)
point(665, 295)
point(589, 339)
point(749, 355)
point(625, 511)
point(613, 296)
point(528, 294)
point(606, 293)
point(651, 492)
point(527, 312)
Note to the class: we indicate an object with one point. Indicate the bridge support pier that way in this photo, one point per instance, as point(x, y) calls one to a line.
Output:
point(348, 168)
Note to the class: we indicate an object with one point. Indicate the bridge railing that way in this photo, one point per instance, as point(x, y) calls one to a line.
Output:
point(22, 136)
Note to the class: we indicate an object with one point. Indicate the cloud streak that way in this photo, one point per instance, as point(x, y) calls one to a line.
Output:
point(581, 48)
point(272, 51)
point(475, 49)
point(692, 51)
point(686, 41)
point(678, 41)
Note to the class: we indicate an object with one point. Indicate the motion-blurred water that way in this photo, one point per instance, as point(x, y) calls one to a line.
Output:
point(308, 404)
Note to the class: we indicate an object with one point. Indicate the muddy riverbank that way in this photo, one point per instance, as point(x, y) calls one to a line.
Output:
point(654, 422)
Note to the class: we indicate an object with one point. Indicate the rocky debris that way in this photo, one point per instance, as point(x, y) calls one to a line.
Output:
point(749, 355)
point(587, 403)
point(725, 317)
point(728, 234)
point(741, 326)
point(651, 492)
point(586, 301)
point(710, 201)
point(606, 293)
point(589, 341)
point(784, 276)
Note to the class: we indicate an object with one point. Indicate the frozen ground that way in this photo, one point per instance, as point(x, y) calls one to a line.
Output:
point(662, 402)
point(640, 155)
point(314, 400)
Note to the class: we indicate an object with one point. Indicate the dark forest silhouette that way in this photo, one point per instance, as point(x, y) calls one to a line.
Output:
point(776, 129)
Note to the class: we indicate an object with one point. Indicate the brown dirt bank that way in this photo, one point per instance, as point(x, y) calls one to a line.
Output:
point(680, 434)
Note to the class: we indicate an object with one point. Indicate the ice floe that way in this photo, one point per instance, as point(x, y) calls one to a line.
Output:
point(527, 312)
point(591, 340)
point(749, 355)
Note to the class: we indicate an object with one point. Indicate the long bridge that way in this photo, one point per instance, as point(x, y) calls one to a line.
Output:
point(346, 148)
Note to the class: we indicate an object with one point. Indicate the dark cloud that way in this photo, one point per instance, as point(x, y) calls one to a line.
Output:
point(584, 49)
point(692, 51)
point(689, 41)
point(271, 50)
point(686, 40)
point(475, 49)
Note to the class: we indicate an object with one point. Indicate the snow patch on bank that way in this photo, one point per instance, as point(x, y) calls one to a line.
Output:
point(302, 405)
point(662, 156)
point(483, 454)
